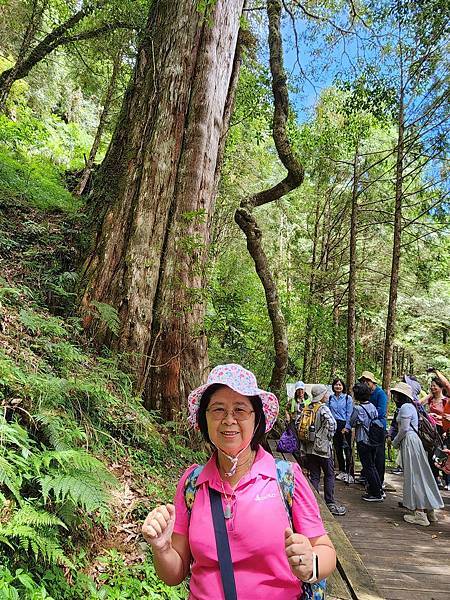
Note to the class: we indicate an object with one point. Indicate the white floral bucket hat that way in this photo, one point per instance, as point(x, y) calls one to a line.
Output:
point(240, 380)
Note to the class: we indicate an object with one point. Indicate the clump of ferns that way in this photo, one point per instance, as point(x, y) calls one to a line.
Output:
point(44, 492)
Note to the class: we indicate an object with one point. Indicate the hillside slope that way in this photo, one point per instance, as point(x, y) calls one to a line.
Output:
point(81, 461)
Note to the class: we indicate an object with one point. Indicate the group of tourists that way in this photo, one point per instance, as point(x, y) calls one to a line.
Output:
point(245, 525)
point(366, 415)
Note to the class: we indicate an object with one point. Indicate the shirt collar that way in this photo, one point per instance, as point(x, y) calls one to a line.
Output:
point(263, 465)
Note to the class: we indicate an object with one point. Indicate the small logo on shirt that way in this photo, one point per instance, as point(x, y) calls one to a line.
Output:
point(265, 497)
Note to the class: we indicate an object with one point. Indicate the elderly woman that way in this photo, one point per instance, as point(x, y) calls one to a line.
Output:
point(420, 491)
point(268, 557)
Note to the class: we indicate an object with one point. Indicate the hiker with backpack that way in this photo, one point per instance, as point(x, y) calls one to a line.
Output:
point(243, 525)
point(316, 428)
point(379, 399)
point(296, 405)
point(444, 387)
point(435, 403)
point(365, 421)
point(420, 492)
point(341, 406)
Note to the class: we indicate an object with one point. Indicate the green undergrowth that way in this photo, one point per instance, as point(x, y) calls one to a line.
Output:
point(79, 455)
point(34, 179)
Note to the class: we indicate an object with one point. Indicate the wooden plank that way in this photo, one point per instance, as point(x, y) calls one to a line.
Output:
point(394, 594)
point(273, 449)
point(337, 588)
point(350, 564)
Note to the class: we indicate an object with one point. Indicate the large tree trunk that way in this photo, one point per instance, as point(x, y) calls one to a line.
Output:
point(351, 306)
point(107, 101)
point(395, 268)
point(158, 183)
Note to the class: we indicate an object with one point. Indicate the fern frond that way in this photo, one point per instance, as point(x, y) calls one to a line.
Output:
point(109, 315)
point(12, 434)
point(62, 431)
point(75, 459)
point(84, 489)
point(42, 544)
point(27, 515)
point(10, 478)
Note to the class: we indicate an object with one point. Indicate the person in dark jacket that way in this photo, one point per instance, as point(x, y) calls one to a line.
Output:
point(379, 399)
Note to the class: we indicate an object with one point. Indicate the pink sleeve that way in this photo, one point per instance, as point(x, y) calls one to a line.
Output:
point(181, 512)
point(305, 510)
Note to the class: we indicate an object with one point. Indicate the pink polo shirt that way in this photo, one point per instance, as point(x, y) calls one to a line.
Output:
point(255, 531)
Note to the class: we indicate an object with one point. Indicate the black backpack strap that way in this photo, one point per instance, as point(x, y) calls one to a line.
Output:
point(223, 546)
point(366, 429)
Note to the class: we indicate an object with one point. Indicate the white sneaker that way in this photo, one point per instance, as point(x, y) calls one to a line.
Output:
point(340, 476)
point(432, 516)
point(418, 518)
point(348, 478)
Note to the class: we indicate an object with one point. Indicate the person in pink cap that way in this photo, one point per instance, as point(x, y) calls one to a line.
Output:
point(268, 557)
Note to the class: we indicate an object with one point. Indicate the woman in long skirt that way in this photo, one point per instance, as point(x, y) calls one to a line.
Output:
point(420, 491)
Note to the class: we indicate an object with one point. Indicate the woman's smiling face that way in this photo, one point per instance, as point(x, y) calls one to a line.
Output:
point(231, 420)
point(338, 387)
point(435, 389)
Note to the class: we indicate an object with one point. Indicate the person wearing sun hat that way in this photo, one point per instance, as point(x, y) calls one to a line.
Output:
point(298, 402)
point(379, 399)
point(268, 558)
point(420, 491)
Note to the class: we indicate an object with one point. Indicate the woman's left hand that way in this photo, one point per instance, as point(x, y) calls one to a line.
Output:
point(299, 554)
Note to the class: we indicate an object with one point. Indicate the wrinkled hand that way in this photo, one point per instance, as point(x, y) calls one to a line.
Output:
point(158, 526)
point(298, 545)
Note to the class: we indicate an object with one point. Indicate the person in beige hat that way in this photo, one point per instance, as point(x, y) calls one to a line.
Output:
point(379, 399)
point(420, 491)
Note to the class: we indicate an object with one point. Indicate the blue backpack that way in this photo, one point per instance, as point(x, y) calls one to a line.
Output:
point(285, 478)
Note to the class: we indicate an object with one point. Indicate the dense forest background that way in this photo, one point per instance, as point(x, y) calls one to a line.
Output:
point(117, 297)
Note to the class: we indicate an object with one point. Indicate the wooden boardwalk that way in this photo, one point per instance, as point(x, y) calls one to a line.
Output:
point(407, 562)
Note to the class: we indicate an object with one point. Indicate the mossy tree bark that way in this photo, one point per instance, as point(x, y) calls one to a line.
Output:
point(154, 197)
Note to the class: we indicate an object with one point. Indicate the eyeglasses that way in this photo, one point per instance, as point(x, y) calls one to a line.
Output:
point(239, 414)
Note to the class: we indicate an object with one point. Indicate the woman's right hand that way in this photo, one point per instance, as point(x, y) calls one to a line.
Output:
point(158, 526)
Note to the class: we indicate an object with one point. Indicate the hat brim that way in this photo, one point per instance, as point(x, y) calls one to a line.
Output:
point(403, 392)
point(368, 379)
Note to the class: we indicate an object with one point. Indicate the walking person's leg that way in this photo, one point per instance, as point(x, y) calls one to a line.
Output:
point(367, 458)
point(380, 460)
point(349, 468)
point(313, 463)
point(338, 441)
point(328, 487)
